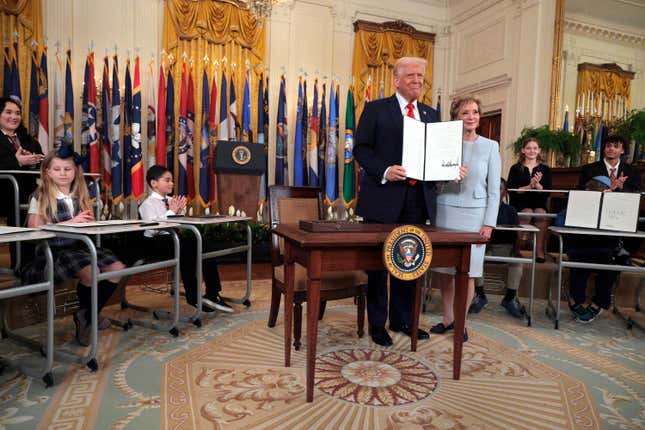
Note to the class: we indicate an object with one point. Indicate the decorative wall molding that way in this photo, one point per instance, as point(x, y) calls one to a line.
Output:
point(583, 54)
point(576, 25)
point(498, 81)
point(344, 17)
point(397, 26)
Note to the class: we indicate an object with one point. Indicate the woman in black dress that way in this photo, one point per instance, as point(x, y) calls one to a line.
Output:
point(530, 173)
point(18, 151)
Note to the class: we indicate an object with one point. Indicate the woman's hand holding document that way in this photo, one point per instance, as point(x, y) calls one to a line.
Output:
point(432, 151)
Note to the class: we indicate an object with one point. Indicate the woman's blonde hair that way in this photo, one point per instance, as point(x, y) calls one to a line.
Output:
point(528, 140)
point(47, 190)
point(459, 102)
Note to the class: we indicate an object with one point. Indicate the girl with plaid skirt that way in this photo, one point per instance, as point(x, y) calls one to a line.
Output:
point(62, 197)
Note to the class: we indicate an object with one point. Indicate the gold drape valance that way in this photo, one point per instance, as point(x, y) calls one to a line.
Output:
point(22, 18)
point(376, 49)
point(216, 36)
point(216, 22)
point(13, 7)
point(603, 90)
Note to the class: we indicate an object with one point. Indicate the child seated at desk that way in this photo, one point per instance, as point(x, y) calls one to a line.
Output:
point(503, 244)
point(158, 206)
point(62, 197)
point(590, 249)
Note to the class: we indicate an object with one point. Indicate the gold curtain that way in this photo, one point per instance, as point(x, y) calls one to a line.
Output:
point(202, 32)
point(376, 49)
point(23, 18)
point(603, 90)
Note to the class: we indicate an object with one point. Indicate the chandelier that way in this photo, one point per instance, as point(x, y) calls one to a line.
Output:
point(261, 8)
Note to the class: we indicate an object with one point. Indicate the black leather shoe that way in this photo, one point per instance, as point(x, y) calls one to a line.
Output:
point(407, 330)
point(441, 328)
point(380, 336)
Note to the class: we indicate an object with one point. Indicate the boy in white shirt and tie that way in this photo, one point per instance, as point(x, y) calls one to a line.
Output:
point(157, 207)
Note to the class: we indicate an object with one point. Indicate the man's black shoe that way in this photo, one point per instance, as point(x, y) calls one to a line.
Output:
point(407, 330)
point(380, 336)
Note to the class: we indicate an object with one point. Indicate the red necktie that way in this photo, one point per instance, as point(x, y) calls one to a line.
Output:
point(410, 108)
point(165, 202)
point(612, 174)
point(14, 141)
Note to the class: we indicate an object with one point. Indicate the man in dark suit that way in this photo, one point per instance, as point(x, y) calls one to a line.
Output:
point(386, 195)
point(623, 177)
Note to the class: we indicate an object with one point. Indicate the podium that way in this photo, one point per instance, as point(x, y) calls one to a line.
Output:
point(238, 167)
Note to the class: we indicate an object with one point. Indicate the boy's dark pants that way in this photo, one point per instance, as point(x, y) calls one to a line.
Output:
point(604, 278)
point(162, 248)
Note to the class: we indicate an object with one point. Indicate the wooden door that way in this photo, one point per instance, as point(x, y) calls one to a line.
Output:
point(490, 125)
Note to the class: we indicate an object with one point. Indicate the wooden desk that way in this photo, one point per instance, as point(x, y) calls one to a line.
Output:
point(362, 250)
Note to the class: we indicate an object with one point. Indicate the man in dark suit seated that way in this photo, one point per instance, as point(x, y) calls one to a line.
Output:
point(623, 177)
point(386, 195)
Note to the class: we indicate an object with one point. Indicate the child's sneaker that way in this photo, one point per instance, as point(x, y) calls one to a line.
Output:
point(582, 314)
point(594, 310)
point(218, 303)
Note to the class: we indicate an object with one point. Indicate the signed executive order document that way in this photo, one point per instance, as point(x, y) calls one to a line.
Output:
point(432, 151)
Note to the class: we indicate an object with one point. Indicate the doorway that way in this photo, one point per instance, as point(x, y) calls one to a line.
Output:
point(490, 125)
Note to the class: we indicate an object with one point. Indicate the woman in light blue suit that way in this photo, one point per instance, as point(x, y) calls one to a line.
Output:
point(470, 205)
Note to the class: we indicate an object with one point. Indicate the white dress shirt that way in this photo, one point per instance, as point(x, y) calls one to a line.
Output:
point(154, 209)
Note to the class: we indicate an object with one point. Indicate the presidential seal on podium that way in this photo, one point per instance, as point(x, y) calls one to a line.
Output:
point(407, 252)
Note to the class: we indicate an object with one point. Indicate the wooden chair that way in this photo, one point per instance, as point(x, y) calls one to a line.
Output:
point(289, 205)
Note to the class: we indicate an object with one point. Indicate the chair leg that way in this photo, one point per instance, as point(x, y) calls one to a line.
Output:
point(360, 315)
point(275, 306)
point(297, 325)
point(323, 306)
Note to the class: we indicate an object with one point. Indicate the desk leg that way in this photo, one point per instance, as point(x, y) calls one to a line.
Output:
point(416, 308)
point(460, 309)
point(530, 316)
point(289, 279)
point(313, 310)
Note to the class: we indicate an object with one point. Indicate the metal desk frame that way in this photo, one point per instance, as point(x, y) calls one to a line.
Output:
point(19, 290)
point(554, 312)
point(525, 228)
point(9, 176)
point(190, 224)
point(82, 234)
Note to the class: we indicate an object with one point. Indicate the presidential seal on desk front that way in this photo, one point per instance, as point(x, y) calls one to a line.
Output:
point(407, 252)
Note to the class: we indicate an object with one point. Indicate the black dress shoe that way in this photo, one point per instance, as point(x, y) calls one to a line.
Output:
point(380, 336)
point(407, 330)
point(441, 328)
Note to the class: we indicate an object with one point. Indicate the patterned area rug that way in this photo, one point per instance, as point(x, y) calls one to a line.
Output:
point(229, 375)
